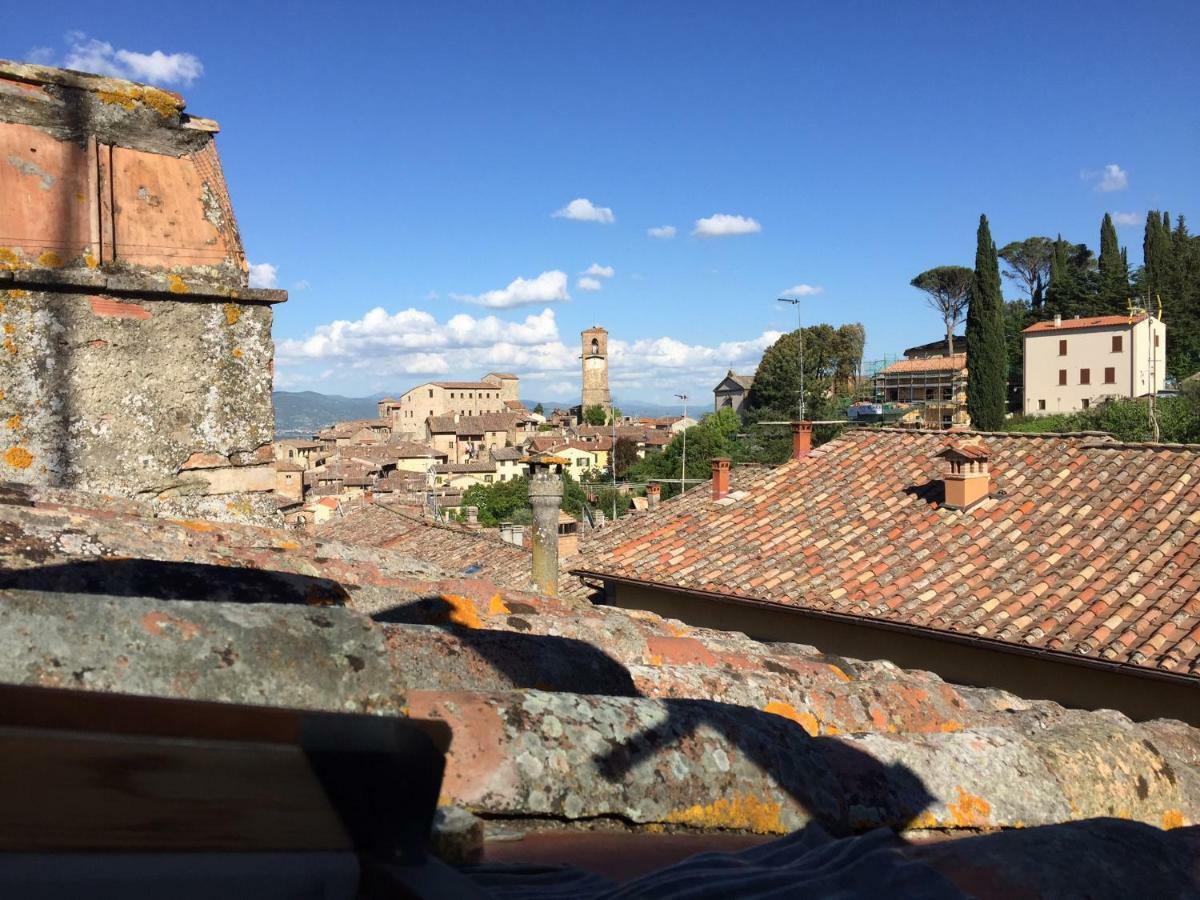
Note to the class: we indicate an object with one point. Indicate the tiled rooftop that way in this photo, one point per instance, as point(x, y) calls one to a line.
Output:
point(1086, 547)
point(559, 710)
point(932, 364)
point(1088, 322)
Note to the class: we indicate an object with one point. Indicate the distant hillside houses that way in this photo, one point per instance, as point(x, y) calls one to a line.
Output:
point(426, 448)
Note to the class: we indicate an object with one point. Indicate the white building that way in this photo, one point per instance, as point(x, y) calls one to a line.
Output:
point(1072, 363)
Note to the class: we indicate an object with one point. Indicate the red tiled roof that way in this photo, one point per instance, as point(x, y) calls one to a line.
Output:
point(932, 364)
point(465, 385)
point(1090, 322)
point(1086, 547)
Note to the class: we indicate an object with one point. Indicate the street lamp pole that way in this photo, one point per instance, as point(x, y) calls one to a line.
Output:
point(683, 470)
point(795, 301)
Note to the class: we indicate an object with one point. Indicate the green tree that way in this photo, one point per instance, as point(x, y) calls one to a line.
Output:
point(595, 415)
point(1073, 281)
point(1114, 270)
point(540, 410)
point(832, 357)
point(947, 290)
point(987, 363)
point(503, 501)
point(1028, 264)
point(625, 455)
point(1018, 316)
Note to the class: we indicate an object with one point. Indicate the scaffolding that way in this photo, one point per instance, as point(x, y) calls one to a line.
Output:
point(921, 393)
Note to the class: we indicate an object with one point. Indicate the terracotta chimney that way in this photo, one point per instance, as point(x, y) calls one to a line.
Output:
point(653, 495)
point(720, 477)
point(968, 478)
point(801, 439)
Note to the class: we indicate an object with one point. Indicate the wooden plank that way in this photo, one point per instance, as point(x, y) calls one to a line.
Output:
point(64, 791)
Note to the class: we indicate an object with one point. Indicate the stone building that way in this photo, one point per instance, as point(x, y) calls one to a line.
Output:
point(731, 393)
point(1072, 363)
point(594, 342)
point(135, 358)
point(491, 394)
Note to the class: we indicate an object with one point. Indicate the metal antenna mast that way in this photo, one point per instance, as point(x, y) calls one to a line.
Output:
point(795, 301)
point(683, 471)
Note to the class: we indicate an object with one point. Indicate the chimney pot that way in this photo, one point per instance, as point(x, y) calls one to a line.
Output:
point(720, 477)
point(1057, 320)
point(968, 478)
point(653, 495)
point(801, 439)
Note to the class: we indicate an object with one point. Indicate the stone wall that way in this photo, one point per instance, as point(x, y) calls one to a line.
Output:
point(134, 358)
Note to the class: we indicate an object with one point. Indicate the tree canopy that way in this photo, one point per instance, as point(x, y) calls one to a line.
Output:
point(987, 365)
point(947, 290)
point(832, 357)
point(1028, 264)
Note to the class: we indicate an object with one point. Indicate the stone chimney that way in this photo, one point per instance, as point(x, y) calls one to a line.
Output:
point(1057, 320)
point(968, 478)
point(545, 496)
point(600, 519)
point(506, 532)
point(801, 439)
point(653, 495)
point(472, 516)
point(720, 477)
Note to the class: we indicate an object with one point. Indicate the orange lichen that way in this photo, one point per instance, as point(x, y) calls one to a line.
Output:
point(153, 623)
point(10, 259)
point(14, 422)
point(9, 328)
point(128, 98)
point(805, 720)
point(90, 261)
point(197, 525)
point(176, 285)
point(17, 294)
point(50, 260)
point(288, 545)
point(950, 725)
point(232, 314)
point(838, 672)
point(748, 813)
point(462, 611)
point(18, 457)
point(654, 660)
point(237, 353)
point(10, 346)
point(970, 811)
point(1172, 818)
point(497, 607)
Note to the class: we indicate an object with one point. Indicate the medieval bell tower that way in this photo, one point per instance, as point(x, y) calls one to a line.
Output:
point(595, 368)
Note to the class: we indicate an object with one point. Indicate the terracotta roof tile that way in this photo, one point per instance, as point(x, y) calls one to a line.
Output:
point(931, 364)
point(1110, 572)
point(1089, 322)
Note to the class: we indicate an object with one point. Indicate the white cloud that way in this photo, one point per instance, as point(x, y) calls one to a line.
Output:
point(663, 232)
point(90, 55)
point(802, 290)
point(1127, 218)
point(599, 271)
point(583, 210)
point(1111, 178)
point(403, 348)
point(549, 287)
point(263, 275)
point(724, 225)
point(302, 285)
point(589, 284)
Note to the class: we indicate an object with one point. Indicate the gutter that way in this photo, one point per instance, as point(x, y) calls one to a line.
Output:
point(917, 630)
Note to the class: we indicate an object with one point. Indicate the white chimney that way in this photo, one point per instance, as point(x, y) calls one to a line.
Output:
point(1057, 321)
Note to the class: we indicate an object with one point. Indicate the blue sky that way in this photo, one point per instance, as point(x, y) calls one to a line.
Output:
point(400, 165)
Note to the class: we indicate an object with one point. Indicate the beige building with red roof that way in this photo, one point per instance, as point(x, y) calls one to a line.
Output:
point(1071, 364)
point(1072, 572)
point(496, 392)
point(935, 386)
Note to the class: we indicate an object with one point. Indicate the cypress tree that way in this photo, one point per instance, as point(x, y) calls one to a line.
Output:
point(987, 361)
point(1114, 270)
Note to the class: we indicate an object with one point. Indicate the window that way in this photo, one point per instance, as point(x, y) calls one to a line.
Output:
point(452, 395)
point(1156, 339)
point(1085, 376)
point(1062, 347)
point(1062, 376)
point(1110, 375)
point(1118, 343)
point(1086, 403)
point(431, 395)
point(1041, 404)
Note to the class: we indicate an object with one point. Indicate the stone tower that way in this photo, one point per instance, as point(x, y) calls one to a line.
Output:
point(595, 368)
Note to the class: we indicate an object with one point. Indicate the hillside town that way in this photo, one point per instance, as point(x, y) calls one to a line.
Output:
point(927, 625)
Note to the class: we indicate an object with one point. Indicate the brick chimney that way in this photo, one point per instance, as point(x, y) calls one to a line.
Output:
point(720, 477)
point(801, 439)
point(653, 495)
point(968, 478)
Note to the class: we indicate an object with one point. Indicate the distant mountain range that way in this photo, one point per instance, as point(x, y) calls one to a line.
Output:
point(301, 413)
